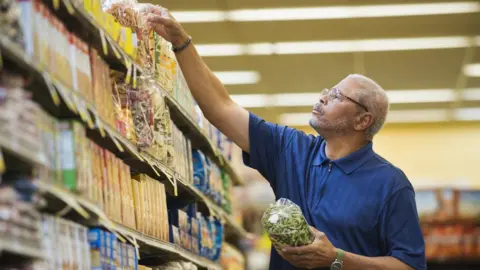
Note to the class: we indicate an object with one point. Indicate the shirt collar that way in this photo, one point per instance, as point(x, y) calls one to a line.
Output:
point(349, 163)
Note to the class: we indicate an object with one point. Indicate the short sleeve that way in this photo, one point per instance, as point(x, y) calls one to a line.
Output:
point(267, 142)
point(401, 231)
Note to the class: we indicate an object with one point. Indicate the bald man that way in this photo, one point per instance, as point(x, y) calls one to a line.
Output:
point(361, 207)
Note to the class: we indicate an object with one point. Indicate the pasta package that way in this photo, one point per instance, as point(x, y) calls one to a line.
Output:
point(286, 225)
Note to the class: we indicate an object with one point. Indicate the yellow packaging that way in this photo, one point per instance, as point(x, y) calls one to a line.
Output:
point(136, 201)
point(126, 41)
point(87, 5)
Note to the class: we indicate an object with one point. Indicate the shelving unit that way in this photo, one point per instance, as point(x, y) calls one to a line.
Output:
point(64, 103)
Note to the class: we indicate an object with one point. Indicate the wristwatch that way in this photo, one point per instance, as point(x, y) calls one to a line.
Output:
point(338, 263)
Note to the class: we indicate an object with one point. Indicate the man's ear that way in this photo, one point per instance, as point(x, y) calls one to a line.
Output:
point(363, 121)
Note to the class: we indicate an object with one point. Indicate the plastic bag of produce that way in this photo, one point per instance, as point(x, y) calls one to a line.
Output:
point(286, 225)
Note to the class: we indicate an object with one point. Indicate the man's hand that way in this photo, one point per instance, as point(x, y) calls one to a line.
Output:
point(162, 22)
point(320, 253)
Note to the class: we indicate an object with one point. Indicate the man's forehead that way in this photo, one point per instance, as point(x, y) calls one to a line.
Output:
point(347, 85)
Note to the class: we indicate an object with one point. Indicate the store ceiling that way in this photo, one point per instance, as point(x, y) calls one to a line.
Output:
point(397, 69)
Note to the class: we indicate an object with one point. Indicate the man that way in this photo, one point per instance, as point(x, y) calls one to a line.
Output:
point(362, 208)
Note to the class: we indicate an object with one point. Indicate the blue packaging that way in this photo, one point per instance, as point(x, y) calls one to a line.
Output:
point(200, 170)
point(95, 237)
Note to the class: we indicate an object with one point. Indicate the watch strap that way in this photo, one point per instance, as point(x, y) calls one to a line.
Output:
point(340, 254)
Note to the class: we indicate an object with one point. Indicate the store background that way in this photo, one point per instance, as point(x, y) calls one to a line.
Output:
point(426, 54)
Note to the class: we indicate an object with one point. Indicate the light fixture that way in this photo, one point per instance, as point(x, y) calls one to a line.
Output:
point(394, 96)
point(414, 116)
point(251, 101)
point(471, 94)
point(238, 77)
point(467, 114)
point(472, 70)
point(327, 12)
point(220, 49)
point(336, 46)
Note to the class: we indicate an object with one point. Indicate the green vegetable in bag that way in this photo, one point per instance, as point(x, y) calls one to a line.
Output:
point(286, 225)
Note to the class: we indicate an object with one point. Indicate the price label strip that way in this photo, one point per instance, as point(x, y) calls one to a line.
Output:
point(104, 42)
point(99, 124)
point(51, 88)
point(2, 163)
point(69, 101)
point(56, 4)
point(114, 48)
point(128, 78)
point(1, 60)
point(69, 6)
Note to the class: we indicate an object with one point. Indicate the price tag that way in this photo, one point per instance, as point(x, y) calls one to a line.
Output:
point(99, 124)
point(2, 163)
point(115, 141)
point(111, 227)
point(56, 4)
point(83, 111)
point(69, 200)
point(134, 76)
point(51, 88)
point(114, 49)
point(69, 6)
point(1, 60)
point(104, 42)
point(129, 72)
point(153, 167)
point(134, 151)
point(69, 100)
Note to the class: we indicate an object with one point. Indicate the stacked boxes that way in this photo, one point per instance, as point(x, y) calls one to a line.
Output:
point(65, 244)
point(108, 253)
point(150, 207)
point(74, 156)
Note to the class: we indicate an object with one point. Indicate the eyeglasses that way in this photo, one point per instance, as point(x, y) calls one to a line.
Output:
point(335, 93)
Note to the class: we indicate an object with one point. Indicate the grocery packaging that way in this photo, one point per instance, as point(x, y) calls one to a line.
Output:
point(286, 225)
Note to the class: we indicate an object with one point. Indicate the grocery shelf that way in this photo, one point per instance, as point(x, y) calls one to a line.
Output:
point(108, 137)
point(155, 248)
point(199, 140)
point(114, 55)
point(9, 244)
point(89, 214)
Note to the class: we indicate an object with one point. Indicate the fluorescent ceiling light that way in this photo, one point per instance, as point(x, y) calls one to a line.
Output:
point(394, 96)
point(471, 94)
point(199, 16)
point(295, 119)
point(251, 101)
point(398, 116)
point(335, 46)
point(472, 70)
point(467, 114)
point(238, 77)
point(420, 96)
point(413, 116)
point(220, 49)
point(327, 12)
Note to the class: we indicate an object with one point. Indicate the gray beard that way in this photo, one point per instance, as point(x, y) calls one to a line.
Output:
point(327, 129)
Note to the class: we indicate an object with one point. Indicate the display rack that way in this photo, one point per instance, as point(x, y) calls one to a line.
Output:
point(104, 135)
point(63, 103)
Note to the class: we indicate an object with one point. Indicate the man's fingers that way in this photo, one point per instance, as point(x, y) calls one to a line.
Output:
point(158, 19)
point(298, 250)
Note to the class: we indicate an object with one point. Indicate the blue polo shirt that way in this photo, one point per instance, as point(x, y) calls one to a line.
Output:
point(363, 203)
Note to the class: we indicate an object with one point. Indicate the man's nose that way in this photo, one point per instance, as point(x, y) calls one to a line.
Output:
point(324, 100)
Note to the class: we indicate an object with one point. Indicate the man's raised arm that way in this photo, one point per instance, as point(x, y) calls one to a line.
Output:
point(208, 91)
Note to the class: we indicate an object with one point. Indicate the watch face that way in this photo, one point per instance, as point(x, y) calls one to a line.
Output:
point(336, 266)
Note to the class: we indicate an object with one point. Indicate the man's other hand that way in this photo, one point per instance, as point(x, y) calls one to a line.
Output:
point(320, 253)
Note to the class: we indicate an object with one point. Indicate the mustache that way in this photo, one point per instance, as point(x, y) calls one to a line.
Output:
point(317, 107)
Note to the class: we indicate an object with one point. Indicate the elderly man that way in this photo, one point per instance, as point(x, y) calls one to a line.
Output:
point(361, 207)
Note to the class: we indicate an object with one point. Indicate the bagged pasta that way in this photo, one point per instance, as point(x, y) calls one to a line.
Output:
point(286, 225)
